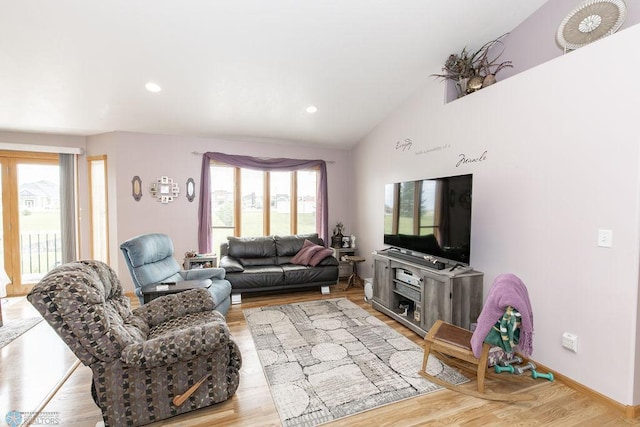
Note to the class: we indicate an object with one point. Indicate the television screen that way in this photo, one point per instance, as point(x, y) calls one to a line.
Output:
point(430, 217)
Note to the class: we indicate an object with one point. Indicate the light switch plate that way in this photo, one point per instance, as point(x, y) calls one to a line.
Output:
point(570, 341)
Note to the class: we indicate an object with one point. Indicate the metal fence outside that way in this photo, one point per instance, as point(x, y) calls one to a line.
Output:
point(40, 252)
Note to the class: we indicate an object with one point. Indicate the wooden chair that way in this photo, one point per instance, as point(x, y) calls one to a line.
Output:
point(455, 342)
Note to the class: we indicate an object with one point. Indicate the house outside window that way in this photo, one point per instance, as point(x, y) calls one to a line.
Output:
point(252, 203)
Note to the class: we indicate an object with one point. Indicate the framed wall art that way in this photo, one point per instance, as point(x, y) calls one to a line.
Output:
point(164, 190)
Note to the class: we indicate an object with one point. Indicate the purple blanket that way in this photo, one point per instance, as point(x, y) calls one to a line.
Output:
point(507, 290)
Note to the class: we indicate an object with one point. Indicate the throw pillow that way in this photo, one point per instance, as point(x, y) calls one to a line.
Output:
point(304, 255)
point(319, 256)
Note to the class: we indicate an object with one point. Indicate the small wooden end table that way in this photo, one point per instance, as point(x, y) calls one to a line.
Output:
point(200, 261)
point(354, 279)
point(155, 290)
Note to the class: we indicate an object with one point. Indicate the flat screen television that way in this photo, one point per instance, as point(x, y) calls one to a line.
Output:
point(430, 217)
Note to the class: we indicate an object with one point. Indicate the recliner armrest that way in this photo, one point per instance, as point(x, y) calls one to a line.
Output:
point(174, 306)
point(203, 273)
point(177, 346)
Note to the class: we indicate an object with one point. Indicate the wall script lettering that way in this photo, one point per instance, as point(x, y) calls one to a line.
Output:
point(432, 149)
point(404, 145)
point(463, 159)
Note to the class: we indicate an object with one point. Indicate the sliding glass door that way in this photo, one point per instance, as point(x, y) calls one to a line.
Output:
point(31, 221)
point(4, 278)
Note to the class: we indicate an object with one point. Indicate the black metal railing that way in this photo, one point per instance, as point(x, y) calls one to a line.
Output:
point(40, 252)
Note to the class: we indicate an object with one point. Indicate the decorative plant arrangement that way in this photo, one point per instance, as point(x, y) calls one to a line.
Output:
point(473, 71)
point(336, 239)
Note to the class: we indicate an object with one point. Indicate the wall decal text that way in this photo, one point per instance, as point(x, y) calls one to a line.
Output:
point(463, 159)
point(432, 149)
point(404, 145)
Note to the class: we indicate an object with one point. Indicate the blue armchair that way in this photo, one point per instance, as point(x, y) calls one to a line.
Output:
point(149, 258)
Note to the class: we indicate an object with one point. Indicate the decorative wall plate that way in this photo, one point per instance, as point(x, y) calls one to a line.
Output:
point(590, 21)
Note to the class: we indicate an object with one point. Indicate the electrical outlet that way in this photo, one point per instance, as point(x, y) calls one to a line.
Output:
point(570, 341)
point(605, 238)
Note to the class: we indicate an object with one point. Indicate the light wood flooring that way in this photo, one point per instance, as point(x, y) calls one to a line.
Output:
point(38, 372)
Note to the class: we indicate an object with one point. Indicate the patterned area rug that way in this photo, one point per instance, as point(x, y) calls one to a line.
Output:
point(12, 330)
point(328, 359)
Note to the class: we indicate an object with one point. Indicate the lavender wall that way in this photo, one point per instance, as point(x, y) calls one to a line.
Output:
point(534, 41)
point(561, 160)
point(151, 156)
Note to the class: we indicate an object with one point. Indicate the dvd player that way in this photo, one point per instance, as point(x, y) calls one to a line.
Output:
point(407, 277)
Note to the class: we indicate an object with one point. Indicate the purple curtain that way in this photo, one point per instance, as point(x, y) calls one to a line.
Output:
point(204, 210)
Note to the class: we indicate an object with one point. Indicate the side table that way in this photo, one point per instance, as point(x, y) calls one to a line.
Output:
point(354, 278)
point(155, 290)
point(344, 268)
point(200, 261)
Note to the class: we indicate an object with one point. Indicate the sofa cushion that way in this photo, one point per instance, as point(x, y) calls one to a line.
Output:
point(298, 274)
point(291, 245)
point(329, 261)
point(257, 277)
point(252, 247)
point(304, 255)
point(319, 256)
point(213, 273)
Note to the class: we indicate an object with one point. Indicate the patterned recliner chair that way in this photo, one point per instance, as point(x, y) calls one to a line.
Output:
point(144, 361)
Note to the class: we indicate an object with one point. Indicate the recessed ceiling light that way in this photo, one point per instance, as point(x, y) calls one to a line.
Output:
point(153, 87)
point(312, 109)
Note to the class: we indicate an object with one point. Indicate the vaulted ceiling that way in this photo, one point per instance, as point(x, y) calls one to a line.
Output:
point(230, 68)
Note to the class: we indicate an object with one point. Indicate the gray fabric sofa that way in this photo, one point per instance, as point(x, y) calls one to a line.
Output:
point(258, 264)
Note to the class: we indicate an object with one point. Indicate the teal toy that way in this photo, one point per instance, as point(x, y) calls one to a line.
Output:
point(500, 369)
point(536, 374)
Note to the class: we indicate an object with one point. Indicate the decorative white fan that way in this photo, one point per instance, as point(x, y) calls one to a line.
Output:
point(590, 21)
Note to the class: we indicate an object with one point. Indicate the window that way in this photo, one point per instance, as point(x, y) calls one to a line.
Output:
point(252, 211)
point(268, 203)
point(31, 220)
point(280, 196)
point(222, 202)
point(209, 233)
point(98, 208)
point(307, 184)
